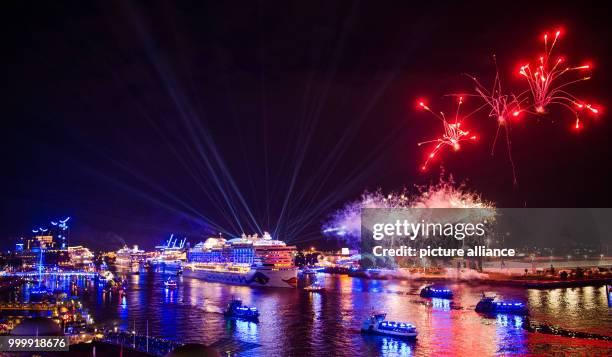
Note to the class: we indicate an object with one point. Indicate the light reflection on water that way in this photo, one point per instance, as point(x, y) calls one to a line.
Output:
point(296, 322)
point(582, 309)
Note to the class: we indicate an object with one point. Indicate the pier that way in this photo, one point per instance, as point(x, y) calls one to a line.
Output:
point(141, 343)
point(27, 306)
point(31, 274)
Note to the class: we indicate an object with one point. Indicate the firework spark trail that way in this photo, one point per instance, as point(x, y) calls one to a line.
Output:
point(345, 223)
point(447, 194)
point(452, 136)
point(548, 81)
point(502, 107)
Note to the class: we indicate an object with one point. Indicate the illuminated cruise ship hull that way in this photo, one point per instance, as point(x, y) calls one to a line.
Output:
point(127, 266)
point(261, 277)
point(129, 260)
point(167, 266)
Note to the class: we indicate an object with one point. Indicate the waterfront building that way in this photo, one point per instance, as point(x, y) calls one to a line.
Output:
point(46, 248)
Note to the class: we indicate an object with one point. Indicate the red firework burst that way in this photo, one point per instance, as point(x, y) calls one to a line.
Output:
point(452, 136)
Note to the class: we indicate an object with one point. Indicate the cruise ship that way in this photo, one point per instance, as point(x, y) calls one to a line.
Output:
point(130, 259)
point(170, 256)
point(248, 260)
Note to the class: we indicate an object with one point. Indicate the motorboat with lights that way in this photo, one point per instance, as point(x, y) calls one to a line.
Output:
point(488, 305)
point(312, 270)
point(378, 325)
point(436, 292)
point(236, 310)
point(314, 287)
point(105, 276)
point(170, 284)
point(248, 260)
point(40, 293)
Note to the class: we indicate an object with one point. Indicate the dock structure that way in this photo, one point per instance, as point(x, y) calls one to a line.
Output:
point(27, 306)
point(29, 274)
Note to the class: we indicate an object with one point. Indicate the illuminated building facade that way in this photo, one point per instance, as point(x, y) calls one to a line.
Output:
point(48, 247)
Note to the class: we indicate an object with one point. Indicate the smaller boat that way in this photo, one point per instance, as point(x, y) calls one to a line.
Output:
point(376, 324)
point(314, 287)
point(105, 275)
point(312, 270)
point(488, 305)
point(236, 310)
point(170, 284)
point(436, 292)
point(40, 293)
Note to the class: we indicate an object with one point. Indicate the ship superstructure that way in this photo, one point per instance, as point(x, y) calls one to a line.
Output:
point(170, 256)
point(130, 259)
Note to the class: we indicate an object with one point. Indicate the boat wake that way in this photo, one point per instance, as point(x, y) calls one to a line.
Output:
point(558, 331)
point(212, 310)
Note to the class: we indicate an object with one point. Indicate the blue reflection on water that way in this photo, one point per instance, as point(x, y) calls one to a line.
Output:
point(123, 307)
point(389, 346)
point(244, 330)
point(509, 320)
point(511, 338)
point(169, 295)
point(440, 304)
point(357, 285)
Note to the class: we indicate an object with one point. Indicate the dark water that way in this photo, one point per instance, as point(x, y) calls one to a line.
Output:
point(295, 322)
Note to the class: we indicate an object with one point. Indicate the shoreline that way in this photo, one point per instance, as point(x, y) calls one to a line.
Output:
point(528, 283)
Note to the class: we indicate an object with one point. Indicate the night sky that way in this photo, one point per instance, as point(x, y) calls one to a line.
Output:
point(195, 118)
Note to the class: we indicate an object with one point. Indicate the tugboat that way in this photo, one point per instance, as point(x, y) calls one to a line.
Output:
point(105, 276)
point(436, 292)
point(376, 324)
point(170, 284)
point(488, 305)
point(236, 310)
